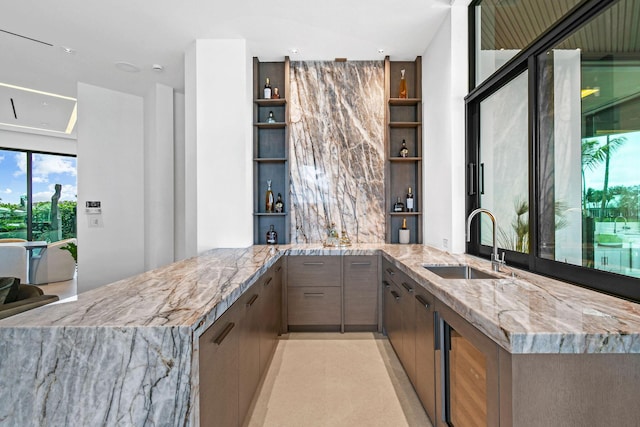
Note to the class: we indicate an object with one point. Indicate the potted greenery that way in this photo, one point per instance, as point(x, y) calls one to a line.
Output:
point(73, 250)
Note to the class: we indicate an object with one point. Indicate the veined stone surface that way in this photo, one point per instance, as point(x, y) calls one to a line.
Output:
point(337, 150)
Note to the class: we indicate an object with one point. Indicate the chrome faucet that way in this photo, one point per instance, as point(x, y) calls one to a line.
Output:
point(496, 262)
point(615, 223)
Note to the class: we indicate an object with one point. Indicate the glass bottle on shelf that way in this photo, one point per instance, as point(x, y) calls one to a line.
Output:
point(279, 206)
point(269, 198)
point(271, 118)
point(275, 94)
point(404, 151)
point(272, 236)
point(404, 235)
point(398, 206)
point(403, 85)
point(267, 89)
point(410, 201)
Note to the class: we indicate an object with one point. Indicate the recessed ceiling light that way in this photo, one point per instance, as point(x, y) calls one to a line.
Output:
point(45, 104)
point(294, 51)
point(380, 50)
point(68, 50)
point(127, 67)
point(157, 68)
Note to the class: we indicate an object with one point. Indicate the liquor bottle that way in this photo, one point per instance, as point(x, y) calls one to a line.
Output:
point(267, 89)
point(404, 151)
point(410, 201)
point(272, 236)
point(398, 206)
point(271, 118)
point(269, 198)
point(403, 86)
point(404, 235)
point(275, 94)
point(279, 206)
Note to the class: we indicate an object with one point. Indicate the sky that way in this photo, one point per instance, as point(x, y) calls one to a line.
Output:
point(623, 164)
point(48, 170)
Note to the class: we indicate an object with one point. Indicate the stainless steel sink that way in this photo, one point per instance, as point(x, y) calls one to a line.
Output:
point(459, 272)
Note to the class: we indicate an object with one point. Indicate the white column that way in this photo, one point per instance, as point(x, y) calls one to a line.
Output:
point(218, 110)
point(158, 177)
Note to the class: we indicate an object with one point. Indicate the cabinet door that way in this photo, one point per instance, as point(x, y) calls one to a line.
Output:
point(393, 315)
point(313, 271)
point(249, 346)
point(218, 358)
point(309, 306)
point(425, 384)
point(408, 308)
point(360, 290)
point(271, 313)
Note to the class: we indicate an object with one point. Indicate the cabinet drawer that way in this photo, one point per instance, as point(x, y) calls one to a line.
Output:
point(313, 271)
point(314, 305)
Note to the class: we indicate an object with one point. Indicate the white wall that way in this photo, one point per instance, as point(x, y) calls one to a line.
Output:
point(179, 184)
point(444, 86)
point(31, 141)
point(218, 100)
point(110, 170)
point(158, 177)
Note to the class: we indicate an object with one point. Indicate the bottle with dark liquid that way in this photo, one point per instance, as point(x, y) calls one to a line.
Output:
point(279, 206)
point(398, 206)
point(272, 236)
point(403, 86)
point(275, 94)
point(410, 201)
point(269, 198)
point(404, 151)
point(267, 89)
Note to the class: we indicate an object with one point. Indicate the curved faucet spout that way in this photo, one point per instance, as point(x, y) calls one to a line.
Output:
point(496, 262)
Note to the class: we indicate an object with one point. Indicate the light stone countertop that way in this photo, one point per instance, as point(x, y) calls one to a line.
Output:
point(526, 314)
point(127, 353)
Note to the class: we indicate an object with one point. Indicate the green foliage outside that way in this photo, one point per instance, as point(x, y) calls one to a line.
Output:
point(13, 220)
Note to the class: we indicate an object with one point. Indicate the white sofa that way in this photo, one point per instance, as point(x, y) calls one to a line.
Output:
point(13, 262)
point(55, 265)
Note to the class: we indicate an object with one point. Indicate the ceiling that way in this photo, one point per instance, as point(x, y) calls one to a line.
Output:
point(34, 34)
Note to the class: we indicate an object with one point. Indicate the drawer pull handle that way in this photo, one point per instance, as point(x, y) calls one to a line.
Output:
point(391, 272)
point(407, 287)
point(386, 285)
point(224, 333)
point(361, 263)
point(252, 300)
point(313, 263)
point(268, 281)
point(313, 294)
point(395, 295)
point(278, 269)
point(423, 301)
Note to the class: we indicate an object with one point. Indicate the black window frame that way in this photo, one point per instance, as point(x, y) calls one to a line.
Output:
point(610, 283)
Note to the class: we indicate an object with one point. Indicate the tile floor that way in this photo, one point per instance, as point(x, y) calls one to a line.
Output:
point(64, 290)
point(333, 380)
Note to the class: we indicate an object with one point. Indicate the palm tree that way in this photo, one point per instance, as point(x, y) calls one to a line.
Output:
point(592, 156)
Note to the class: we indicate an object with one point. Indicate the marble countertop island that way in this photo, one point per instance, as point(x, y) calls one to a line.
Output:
point(126, 353)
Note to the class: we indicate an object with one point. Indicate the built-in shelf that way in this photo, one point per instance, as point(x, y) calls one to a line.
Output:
point(277, 125)
point(405, 213)
point(270, 160)
point(404, 124)
point(269, 214)
point(404, 102)
point(271, 102)
point(405, 159)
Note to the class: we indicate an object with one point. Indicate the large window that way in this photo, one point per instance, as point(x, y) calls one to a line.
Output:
point(37, 196)
point(578, 217)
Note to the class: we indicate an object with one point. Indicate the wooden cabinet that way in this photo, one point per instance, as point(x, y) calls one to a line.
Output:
point(360, 292)
point(218, 358)
point(236, 349)
point(392, 315)
point(270, 148)
point(425, 345)
point(403, 123)
point(467, 373)
point(314, 293)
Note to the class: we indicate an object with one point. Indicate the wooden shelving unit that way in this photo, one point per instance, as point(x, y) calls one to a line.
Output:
point(403, 118)
point(270, 149)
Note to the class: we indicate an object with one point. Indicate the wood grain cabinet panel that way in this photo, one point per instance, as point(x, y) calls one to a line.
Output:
point(314, 271)
point(425, 382)
point(218, 357)
point(314, 305)
point(249, 309)
point(271, 313)
point(360, 290)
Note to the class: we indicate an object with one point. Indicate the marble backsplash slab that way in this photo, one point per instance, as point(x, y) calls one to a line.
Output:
point(337, 150)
